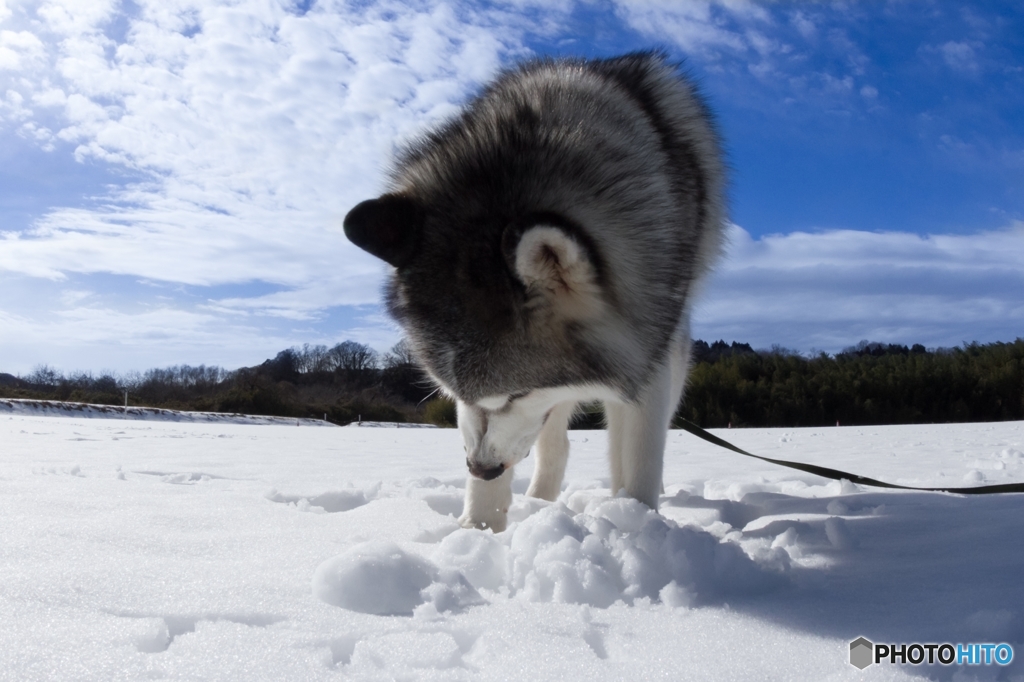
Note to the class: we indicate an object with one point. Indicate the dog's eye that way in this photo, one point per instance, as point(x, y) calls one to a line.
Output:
point(516, 396)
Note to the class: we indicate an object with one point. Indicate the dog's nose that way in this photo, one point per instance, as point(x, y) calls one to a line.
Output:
point(486, 473)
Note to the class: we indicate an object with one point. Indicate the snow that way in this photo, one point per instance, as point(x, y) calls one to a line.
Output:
point(218, 550)
point(57, 408)
point(379, 577)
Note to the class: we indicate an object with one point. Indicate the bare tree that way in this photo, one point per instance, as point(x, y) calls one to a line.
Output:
point(313, 359)
point(398, 356)
point(44, 375)
point(353, 357)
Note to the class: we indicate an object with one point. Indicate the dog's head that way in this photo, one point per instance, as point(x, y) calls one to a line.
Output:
point(491, 305)
point(500, 313)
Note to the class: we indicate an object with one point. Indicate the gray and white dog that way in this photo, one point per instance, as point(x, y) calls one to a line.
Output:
point(546, 246)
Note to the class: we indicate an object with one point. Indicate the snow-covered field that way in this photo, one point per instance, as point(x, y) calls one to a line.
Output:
point(215, 551)
point(56, 408)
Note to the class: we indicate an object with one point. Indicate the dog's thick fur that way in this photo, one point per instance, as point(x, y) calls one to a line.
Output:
point(546, 247)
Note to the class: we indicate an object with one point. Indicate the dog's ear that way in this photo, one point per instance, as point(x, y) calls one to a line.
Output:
point(553, 264)
point(387, 227)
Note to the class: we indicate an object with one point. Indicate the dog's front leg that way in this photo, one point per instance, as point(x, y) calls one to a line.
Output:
point(487, 502)
point(552, 453)
point(639, 429)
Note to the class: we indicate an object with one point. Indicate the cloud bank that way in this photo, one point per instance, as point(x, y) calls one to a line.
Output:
point(831, 289)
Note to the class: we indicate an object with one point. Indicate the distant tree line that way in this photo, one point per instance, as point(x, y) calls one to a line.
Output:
point(870, 383)
point(730, 384)
point(346, 382)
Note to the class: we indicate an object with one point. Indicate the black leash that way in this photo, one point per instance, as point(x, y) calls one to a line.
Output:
point(836, 474)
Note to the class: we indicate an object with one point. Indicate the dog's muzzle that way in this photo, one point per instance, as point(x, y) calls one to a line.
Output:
point(486, 473)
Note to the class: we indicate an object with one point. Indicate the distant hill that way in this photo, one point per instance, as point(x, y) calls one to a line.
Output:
point(11, 380)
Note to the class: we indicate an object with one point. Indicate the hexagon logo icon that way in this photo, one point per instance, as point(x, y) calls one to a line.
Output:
point(861, 653)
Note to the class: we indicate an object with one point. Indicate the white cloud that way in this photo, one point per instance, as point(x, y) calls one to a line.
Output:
point(18, 49)
point(804, 25)
point(831, 289)
point(959, 56)
point(695, 26)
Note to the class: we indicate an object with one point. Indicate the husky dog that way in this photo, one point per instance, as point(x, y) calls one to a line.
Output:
point(546, 245)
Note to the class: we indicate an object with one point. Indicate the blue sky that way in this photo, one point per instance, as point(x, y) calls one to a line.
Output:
point(173, 174)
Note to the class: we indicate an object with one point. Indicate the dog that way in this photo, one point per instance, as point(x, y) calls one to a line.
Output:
point(546, 247)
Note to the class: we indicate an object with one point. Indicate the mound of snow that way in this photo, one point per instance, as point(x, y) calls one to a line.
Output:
point(611, 550)
point(619, 549)
point(382, 579)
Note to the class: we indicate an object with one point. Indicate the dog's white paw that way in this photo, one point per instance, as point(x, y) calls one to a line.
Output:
point(496, 522)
